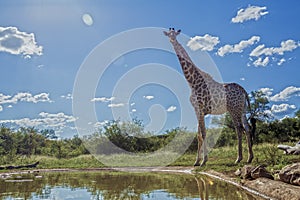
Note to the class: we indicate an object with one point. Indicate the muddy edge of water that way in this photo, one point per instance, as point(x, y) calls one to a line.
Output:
point(261, 187)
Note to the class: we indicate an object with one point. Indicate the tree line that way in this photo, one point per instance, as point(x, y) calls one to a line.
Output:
point(132, 137)
point(29, 141)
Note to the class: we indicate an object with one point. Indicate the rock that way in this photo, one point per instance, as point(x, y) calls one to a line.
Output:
point(246, 172)
point(251, 172)
point(290, 174)
point(238, 172)
point(260, 171)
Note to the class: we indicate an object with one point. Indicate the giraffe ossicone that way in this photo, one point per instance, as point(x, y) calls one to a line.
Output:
point(211, 97)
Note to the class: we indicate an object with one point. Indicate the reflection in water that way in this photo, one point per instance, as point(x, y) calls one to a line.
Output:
point(117, 185)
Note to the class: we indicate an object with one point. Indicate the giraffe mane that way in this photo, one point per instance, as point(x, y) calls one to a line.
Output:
point(205, 75)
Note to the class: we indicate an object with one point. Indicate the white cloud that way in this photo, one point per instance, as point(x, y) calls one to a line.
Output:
point(100, 124)
point(284, 117)
point(1, 108)
point(68, 96)
point(267, 91)
point(281, 61)
point(115, 105)
point(238, 48)
point(16, 42)
point(288, 45)
point(148, 97)
point(56, 121)
point(252, 12)
point(242, 79)
point(282, 108)
point(103, 99)
point(204, 43)
point(261, 62)
point(24, 97)
point(133, 110)
point(171, 108)
point(285, 94)
point(132, 104)
point(5, 98)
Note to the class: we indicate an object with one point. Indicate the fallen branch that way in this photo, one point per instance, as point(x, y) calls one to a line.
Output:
point(289, 149)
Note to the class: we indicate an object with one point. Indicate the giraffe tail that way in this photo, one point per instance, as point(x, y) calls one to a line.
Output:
point(252, 120)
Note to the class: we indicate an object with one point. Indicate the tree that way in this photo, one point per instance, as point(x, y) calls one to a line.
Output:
point(297, 113)
point(260, 108)
point(49, 134)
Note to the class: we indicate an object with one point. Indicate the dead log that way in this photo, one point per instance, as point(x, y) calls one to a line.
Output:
point(21, 166)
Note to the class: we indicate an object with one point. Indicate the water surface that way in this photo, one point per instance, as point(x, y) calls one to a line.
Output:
point(116, 185)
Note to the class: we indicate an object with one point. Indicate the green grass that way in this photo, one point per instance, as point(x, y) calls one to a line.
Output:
point(222, 159)
point(46, 162)
point(219, 159)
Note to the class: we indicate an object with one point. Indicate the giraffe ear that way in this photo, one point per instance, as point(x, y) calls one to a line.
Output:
point(166, 33)
point(178, 32)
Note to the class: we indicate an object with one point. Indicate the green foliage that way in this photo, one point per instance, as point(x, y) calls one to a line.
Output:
point(297, 113)
point(259, 106)
point(286, 130)
point(277, 131)
point(131, 137)
point(28, 142)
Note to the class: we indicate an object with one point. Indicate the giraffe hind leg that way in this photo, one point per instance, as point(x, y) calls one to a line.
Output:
point(200, 141)
point(239, 130)
point(249, 139)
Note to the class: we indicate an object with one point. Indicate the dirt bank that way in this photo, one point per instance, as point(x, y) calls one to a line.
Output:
point(263, 187)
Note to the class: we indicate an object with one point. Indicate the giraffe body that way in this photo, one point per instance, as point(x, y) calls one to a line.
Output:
point(211, 97)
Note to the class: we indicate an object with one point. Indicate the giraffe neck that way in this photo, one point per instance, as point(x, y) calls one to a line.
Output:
point(180, 51)
point(191, 72)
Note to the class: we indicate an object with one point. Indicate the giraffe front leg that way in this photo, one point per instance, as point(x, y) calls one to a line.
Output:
point(201, 141)
point(205, 151)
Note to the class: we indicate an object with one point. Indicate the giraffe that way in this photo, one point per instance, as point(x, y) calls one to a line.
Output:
point(211, 97)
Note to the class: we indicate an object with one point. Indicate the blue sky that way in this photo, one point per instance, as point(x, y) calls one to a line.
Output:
point(44, 44)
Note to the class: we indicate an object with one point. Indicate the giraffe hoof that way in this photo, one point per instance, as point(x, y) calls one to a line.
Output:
point(249, 160)
point(238, 161)
point(197, 164)
point(202, 164)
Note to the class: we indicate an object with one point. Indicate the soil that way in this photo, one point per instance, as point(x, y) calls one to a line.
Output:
point(261, 187)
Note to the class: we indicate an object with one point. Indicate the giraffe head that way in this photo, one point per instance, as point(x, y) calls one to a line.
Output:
point(172, 34)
